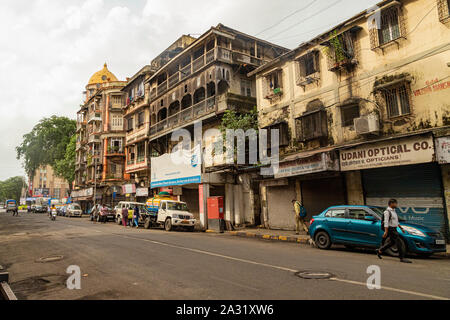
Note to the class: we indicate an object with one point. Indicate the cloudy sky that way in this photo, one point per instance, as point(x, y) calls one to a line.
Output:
point(50, 48)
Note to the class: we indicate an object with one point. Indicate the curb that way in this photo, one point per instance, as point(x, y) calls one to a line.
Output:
point(269, 237)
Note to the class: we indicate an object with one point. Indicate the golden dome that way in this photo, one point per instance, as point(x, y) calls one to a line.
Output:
point(102, 76)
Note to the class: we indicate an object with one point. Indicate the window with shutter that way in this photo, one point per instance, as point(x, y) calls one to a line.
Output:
point(349, 113)
point(273, 84)
point(308, 68)
point(283, 134)
point(313, 126)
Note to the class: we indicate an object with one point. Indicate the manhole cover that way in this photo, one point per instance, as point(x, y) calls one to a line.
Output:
point(314, 275)
point(49, 259)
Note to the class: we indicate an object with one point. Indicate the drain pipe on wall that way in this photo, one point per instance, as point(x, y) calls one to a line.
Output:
point(5, 291)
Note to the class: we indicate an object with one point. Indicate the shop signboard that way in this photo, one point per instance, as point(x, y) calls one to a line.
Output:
point(443, 150)
point(404, 151)
point(166, 171)
point(317, 163)
point(142, 192)
point(129, 188)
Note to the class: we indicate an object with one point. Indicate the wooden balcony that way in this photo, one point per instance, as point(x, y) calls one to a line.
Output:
point(215, 54)
point(185, 116)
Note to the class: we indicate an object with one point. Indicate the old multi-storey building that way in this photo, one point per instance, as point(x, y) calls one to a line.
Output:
point(100, 154)
point(199, 84)
point(363, 114)
point(45, 183)
point(137, 122)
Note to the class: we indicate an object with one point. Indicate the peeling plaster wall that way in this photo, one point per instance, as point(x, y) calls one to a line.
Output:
point(421, 57)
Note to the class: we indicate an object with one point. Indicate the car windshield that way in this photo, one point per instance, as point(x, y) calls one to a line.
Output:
point(75, 206)
point(11, 204)
point(179, 206)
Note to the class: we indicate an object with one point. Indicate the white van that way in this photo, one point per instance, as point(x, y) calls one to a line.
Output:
point(130, 207)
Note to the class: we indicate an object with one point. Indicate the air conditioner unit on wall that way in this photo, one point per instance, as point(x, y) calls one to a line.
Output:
point(369, 124)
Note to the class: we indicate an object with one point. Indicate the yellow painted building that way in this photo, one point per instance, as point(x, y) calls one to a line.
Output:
point(366, 100)
point(47, 184)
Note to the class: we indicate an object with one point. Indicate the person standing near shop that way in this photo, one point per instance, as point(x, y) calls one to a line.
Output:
point(391, 236)
point(300, 215)
point(136, 216)
point(125, 216)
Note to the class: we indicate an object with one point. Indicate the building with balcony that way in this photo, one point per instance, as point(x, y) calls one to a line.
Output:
point(100, 153)
point(363, 116)
point(200, 83)
point(45, 183)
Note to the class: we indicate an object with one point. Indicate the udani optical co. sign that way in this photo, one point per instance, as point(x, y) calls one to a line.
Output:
point(412, 150)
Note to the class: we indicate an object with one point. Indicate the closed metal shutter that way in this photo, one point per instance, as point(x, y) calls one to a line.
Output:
point(320, 194)
point(417, 188)
point(280, 209)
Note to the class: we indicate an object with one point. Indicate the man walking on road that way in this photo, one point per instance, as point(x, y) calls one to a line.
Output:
point(391, 236)
point(136, 216)
point(300, 215)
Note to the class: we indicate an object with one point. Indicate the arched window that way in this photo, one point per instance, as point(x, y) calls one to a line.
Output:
point(174, 108)
point(199, 95)
point(186, 102)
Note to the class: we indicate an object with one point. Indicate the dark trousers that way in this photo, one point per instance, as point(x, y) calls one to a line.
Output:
point(393, 238)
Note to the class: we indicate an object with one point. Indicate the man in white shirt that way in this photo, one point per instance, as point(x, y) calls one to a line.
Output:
point(391, 236)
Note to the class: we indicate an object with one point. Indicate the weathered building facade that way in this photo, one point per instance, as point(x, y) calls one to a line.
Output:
point(198, 85)
point(100, 152)
point(363, 114)
point(137, 123)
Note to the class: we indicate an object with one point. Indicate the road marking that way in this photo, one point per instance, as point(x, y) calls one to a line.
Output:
point(267, 265)
point(210, 253)
point(281, 268)
point(392, 289)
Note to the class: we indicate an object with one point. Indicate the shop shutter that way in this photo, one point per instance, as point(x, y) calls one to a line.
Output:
point(320, 194)
point(417, 188)
point(280, 208)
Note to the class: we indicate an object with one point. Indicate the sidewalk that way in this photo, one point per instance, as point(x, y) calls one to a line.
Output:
point(273, 235)
point(286, 236)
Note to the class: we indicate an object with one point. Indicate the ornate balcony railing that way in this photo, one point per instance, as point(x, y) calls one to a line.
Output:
point(184, 116)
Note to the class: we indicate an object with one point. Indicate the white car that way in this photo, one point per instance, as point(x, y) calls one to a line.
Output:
point(169, 214)
point(74, 210)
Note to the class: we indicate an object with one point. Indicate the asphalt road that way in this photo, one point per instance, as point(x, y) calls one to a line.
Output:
point(124, 263)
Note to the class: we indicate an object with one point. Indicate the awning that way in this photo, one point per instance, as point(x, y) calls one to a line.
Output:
point(307, 154)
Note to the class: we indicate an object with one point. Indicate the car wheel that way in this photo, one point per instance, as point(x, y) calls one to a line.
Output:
point(393, 251)
point(147, 223)
point(168, 224)
point(118, 220)
point(322, 240)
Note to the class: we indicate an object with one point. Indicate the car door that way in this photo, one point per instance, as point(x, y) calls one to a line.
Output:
point(336, 222)
point(162, 212)
point(361, 230)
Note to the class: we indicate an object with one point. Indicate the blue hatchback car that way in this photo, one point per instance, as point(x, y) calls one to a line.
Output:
point(360, 226)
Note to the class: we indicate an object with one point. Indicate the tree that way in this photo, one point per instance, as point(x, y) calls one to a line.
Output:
point(46, 143)
point(65, 167)
point(12, 188)
point(233, 120)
